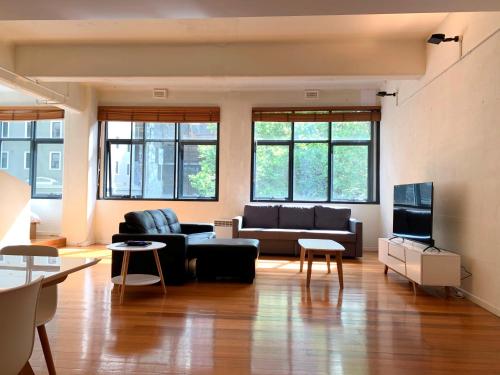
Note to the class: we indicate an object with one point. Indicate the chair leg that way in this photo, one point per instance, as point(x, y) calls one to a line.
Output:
point(26, 370)
point(44, 340)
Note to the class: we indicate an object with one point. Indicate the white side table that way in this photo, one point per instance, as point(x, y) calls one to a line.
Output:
point(137, 279)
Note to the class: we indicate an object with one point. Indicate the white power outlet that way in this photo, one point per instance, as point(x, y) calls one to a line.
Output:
point(311, 94)
point(160, 93)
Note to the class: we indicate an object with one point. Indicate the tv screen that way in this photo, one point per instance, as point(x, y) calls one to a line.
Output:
point(413, 212)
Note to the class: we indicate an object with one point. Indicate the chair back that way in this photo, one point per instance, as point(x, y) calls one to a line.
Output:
point(17, 325)
point(48, 296)
point(30, 250)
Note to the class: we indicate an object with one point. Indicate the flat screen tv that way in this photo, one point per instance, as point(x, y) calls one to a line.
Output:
point(413, 212)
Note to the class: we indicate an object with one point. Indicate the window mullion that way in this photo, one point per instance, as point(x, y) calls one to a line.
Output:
point(330, 163)
point(291, 149)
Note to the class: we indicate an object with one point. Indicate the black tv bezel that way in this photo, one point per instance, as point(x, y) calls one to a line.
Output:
point(429, 242)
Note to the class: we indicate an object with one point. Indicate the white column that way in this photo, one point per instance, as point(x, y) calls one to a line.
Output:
point(80, 172)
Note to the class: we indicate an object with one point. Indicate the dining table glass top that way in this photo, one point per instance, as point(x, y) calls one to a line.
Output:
point(18, 270)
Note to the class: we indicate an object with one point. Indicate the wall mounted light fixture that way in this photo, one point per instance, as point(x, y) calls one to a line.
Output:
point(385, 93)
point(438, 38)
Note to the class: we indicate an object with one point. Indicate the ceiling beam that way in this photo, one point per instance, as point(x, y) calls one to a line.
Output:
point(340, 59)
point(191, 9)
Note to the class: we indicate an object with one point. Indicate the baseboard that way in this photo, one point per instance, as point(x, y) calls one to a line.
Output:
point(481, 302)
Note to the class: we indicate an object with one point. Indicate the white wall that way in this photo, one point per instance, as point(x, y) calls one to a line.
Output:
point(234, 158)
point(49, 211)
point(445, 128)
point(15, 198)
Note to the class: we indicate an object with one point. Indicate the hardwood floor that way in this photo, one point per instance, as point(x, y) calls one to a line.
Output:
point(275, 326)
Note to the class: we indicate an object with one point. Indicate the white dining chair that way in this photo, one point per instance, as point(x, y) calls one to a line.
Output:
point(47, 305)
point(17, 327)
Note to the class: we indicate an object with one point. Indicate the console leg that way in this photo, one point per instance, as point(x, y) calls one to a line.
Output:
point(386, 269)
point(414, 288)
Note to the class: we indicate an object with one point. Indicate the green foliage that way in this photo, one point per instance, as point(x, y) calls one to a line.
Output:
point(349, 163)
point(204, 180)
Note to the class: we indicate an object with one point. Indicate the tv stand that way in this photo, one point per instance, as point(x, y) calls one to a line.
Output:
point(411, 260)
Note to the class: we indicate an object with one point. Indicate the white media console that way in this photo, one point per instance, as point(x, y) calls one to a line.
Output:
point(430, 267)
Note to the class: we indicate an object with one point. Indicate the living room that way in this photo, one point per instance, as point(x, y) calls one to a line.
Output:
point(429, 109)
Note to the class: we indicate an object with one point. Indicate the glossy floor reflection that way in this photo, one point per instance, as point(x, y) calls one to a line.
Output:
point(275, 326)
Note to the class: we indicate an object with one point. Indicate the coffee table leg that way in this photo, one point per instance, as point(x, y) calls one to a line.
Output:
point(338, 260)
point(126, 256)
point(302, 256)
point(327, 256)
point(310, 256)
point(160, 273)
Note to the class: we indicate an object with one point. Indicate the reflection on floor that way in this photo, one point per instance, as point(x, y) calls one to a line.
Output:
point(275, 326)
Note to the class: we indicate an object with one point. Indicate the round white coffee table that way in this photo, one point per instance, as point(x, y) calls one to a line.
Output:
point(137, 279)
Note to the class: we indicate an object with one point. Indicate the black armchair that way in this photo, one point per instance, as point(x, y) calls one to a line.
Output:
point(161, 226)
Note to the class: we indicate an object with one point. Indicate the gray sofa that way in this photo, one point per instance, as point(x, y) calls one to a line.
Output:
point(279, 227)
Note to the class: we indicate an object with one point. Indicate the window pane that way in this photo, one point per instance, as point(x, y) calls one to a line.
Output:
point(351, 130)
point(13, 157)
point(119, 175)
point(159, 174)
point(198, 171)
point(136, 171)
point(49, 169)
point(198, 131)
point(50, 129)
point(350, 173)
point(15, 129)
point(311, 131)
point(119, 129)
point(158, 130)
point(271, 172)
point(138, 130)
point(272, 131)
point(310, 173)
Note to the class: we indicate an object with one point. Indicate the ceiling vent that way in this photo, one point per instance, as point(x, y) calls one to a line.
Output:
point(311, 94)
point(160, 93)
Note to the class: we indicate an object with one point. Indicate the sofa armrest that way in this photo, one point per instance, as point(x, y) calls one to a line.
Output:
point(190, 228)
point(356, 227)
point(237, 225)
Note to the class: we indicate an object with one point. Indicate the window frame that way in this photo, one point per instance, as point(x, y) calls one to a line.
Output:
point(373, 164)
point(104, 162)
point(33, 151)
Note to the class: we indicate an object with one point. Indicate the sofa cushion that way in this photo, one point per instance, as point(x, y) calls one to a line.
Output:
point(160, 221)
point(331, 218)
point(141, 222)
point(261, 216)
point(296, 217)
point(172, 220)
point(199, 237)
point(342, 236)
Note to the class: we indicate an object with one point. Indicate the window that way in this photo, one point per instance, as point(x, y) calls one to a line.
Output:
point(315, 161)
point(4, 160)
point(55, 129)
point(160, 160)
point(54, 160)
point(34, 155)
point(27, 160)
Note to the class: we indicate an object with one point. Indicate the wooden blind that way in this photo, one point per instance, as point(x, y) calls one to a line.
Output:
point(160, 114)
point(30, 113)
point(316, 114)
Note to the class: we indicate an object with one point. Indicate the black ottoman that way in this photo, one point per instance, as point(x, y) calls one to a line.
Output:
point(225, 258)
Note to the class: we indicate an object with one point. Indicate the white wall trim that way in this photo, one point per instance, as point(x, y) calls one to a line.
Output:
point(481, 302)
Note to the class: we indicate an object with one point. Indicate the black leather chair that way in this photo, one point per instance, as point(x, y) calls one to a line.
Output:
point(161, 226)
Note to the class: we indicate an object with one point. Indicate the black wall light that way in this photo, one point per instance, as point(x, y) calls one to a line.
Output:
point(438, 38)
point(385, 93)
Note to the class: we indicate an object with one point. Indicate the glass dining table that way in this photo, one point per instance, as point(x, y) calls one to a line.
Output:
point(17, 270)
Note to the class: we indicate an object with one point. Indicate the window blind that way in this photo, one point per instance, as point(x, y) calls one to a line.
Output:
point(316, 114)
point(30, 113)
point(159, 114)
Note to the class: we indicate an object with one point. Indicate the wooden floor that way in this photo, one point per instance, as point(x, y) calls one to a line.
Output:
point(275, 326)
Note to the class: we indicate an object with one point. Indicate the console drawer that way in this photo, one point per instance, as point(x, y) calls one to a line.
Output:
point(396, 265)
point(397, 251)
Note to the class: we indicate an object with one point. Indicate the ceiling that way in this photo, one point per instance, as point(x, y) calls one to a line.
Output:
point(185, 9)
point(223, 30)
